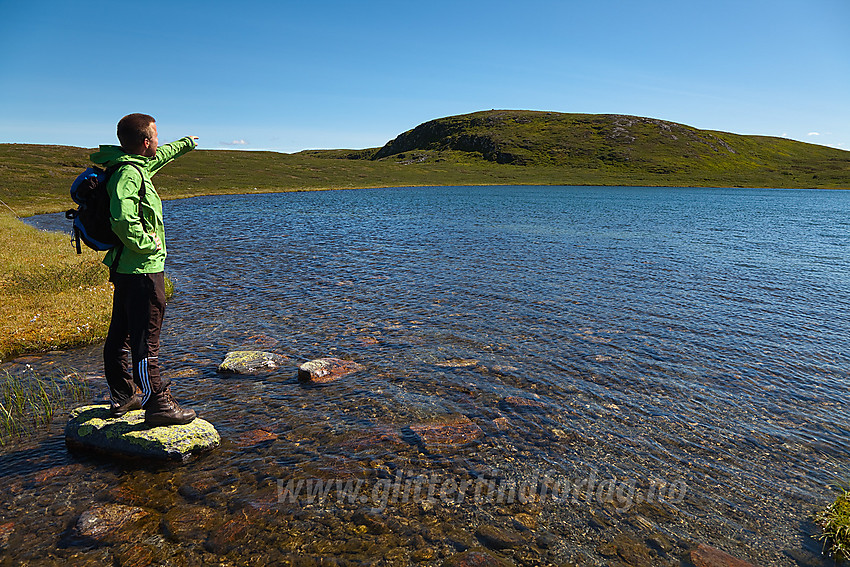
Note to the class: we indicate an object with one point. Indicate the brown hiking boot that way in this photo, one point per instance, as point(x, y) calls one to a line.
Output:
point(163, 410)
point(134, 403)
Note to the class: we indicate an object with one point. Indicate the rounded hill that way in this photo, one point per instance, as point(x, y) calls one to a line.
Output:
point(647, 145)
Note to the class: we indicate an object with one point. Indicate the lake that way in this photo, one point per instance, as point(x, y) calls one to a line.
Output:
point(586, 374)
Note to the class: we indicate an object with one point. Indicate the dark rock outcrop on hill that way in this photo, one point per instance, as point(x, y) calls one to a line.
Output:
point(449, 134)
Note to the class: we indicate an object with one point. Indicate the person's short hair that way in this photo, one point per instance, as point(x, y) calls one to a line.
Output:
point(133, 129)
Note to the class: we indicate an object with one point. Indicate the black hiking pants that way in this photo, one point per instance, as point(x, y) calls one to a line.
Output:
point(138, 307)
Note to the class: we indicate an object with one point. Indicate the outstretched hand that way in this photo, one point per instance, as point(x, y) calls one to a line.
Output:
point(194, 139)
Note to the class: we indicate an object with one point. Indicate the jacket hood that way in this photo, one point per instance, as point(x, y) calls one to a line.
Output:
point(110, 155)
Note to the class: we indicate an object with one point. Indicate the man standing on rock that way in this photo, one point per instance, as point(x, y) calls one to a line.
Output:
point(137, 270)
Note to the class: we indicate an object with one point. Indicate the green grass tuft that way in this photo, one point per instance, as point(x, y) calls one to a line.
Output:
point(30, 402)
point(835, 522)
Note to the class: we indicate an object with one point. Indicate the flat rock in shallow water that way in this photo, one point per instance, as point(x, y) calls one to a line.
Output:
point(251, 362)
point(324, 370)
point(459, 431)
point(707, 556)
point(111, 523)
point(255, 437)
point(457, 363)
point(91, 428)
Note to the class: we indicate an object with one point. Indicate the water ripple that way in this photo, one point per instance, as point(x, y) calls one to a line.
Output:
point(695, 334)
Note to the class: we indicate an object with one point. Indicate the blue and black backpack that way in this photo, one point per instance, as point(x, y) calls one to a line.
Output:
point(91, 217)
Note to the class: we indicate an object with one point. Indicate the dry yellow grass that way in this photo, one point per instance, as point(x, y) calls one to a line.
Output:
point(50, 297)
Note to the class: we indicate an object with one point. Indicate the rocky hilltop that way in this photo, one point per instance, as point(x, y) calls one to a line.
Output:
point(646, 145)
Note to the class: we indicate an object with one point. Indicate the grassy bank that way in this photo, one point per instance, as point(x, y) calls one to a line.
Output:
point(49, 296)
point(835, 521)
point(36, 178)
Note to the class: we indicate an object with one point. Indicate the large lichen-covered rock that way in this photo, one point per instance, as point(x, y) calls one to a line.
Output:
point(91, 428)
point(251, 362)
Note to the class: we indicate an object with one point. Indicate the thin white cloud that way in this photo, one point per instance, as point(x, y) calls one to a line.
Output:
point(813, 134)
point(235, 143)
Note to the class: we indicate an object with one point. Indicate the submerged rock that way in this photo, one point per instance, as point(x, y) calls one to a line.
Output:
point(434, 436)
point(255, 437)
point(632, 551)
point(457, 363)
point(324, 370)
point(379, 438)
point(59, 471)
point(707, 556)
point(189, 523)
point(6, 531)
point(228, 536)
point(660, 542)
point(475, 558)
point(112, 523)
point(91, 428)
point(522, 403)
point(138, 554)
point(496, 537)
point(251, 362)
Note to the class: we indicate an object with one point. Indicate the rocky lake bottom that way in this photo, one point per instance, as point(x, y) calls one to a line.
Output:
point(547, 376)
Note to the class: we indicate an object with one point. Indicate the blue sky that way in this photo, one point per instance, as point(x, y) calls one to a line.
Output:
point(288, 76)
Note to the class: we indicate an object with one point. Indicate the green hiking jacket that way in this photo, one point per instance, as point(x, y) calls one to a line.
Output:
point(139, 255)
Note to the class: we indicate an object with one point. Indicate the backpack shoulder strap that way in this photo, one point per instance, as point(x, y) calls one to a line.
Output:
point(111, 170)
point(118, 166)
point(114, 266)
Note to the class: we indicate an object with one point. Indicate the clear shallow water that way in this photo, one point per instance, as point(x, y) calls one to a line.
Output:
point(688, 338)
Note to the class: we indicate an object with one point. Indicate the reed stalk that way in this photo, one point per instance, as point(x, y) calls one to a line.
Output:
point(30, 402)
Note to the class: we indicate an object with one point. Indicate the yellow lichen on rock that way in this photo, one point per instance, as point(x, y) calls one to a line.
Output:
point(91, 428)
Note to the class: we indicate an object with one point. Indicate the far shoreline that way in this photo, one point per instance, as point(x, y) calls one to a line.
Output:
point(242, 192)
